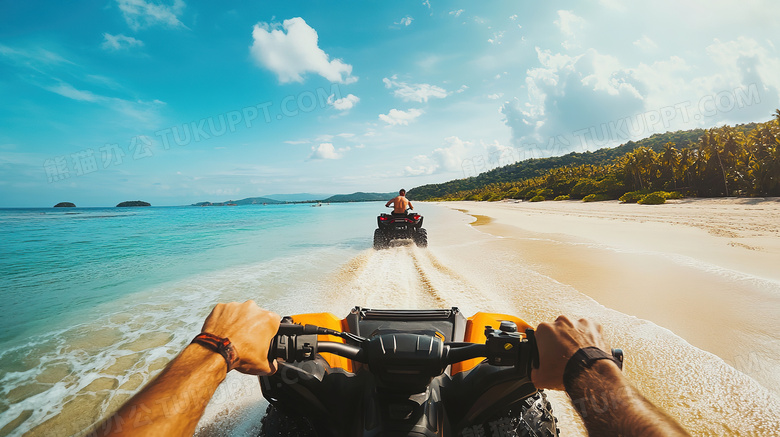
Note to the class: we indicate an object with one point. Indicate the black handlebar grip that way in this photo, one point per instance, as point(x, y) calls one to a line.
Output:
point(530, 336)
point(278, 348)
point(618, 355)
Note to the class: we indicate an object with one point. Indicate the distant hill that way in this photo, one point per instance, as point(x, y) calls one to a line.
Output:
point(726, 161)
point(247, 201)
point(303, 198)
point(255, 201)
point(133, 203)
point(536, 167)
point(298, 197)
point(360, 197)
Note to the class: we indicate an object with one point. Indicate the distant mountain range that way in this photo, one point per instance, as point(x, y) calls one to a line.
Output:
point(360, 197)
point(299, 197)
point(247, 201)
point(276, 199)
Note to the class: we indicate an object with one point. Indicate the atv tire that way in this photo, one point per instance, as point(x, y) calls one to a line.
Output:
point(380, 240)
point(537, 418)
point(534, 419)
point(277, 422)
point(421, 238)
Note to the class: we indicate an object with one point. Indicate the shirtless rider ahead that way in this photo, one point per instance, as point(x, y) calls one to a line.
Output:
point(400, 203)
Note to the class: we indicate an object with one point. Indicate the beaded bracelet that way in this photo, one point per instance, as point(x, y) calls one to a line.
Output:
point(220, 345)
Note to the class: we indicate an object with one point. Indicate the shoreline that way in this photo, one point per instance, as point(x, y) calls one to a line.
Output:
point(703, 268)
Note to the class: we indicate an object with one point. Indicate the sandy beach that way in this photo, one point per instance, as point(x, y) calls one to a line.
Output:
point(704, 269)
point(707, 269)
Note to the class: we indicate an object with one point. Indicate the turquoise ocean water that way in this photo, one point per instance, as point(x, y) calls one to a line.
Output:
point(82, 289)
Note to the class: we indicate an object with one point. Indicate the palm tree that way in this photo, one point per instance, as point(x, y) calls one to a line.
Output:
point(669, 159)
point(684, 166)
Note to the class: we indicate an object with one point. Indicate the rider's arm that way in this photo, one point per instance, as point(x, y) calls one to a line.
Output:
point(172, 404)
point(389, 202)
point(601, 394)
point(410, 205)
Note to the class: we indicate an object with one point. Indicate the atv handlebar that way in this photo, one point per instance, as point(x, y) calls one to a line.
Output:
point(411, 353)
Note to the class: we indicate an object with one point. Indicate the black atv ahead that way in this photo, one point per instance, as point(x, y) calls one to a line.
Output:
point(400, 226)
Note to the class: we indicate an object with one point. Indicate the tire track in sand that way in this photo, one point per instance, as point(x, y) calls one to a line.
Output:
point(403, 276)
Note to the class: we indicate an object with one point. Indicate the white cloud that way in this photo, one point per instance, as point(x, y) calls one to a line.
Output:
point(405, 21)
point(608, 75)
point(139, 13)
point(448, 158)
point(327, 151)
point(496, 148)
point(611, 102)
point(496, 39)
point(398, 117)
point(569, 24)
point(567, 93)
point(456, 13)
point(118, 42)
point(32, 58)
point(69, 91)
point(416, 92)
point(143, 111)
point(740, 65)
point(292, 51)
point(513, 17)
point(345, 103)
point(423, 166)
point(646, 44)
point(497, 154)
point(427, 3)
point(495, 96)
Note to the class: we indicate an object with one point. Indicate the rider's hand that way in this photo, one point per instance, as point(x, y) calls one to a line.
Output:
point(557, 343)
point(250, 330)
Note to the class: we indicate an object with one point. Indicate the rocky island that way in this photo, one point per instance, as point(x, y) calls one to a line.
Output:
point(134, 203)
point(65, 205)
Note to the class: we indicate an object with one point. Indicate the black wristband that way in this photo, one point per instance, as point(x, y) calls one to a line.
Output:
point(581, 360)
point(220, 345)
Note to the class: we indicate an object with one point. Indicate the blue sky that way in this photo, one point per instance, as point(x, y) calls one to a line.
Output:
point(176, 101)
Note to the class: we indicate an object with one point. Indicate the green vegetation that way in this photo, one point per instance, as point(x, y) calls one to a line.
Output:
point(633, 196)
point(645, 197)
point(656, 198)
point(562, 197)
point(595, 198)
point(537, 198)
point(741, 160)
